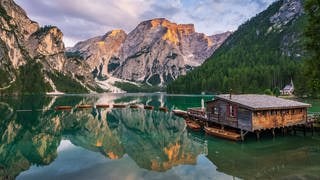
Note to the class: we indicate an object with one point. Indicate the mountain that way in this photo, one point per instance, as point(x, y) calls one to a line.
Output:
point(35, 60)
point(156, 52)
point(266, 52)
point(32, 57)
point(99, 50)
point(113, 133)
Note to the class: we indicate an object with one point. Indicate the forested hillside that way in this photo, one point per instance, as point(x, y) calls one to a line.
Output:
point(264, 53)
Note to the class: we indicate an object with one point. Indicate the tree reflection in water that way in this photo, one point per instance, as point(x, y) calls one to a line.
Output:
point(122, 142)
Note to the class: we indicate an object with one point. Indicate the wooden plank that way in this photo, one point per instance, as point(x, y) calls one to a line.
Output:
point(278, 119)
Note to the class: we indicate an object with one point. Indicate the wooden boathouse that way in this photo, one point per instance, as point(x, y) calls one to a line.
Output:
point(255, 113)
point(233, 116)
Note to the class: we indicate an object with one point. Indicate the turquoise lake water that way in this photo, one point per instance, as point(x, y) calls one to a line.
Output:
point(38, 142)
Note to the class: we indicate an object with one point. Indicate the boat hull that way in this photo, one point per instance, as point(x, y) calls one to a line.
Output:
point(222, 133)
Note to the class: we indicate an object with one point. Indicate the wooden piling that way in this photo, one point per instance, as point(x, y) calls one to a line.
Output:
point(258, 135)
point(273, 133)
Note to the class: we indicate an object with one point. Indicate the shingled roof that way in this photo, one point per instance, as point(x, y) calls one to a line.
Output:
point(261, 102)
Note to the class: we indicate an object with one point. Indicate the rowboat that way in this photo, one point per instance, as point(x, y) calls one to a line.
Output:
point(102, 105)
point(164, 109)
point(63, 108)
point(148, 107)
point(119, 105)
point(84, 106)
point(180, 113)
point(225, 134)
point(134, 106)
point(193, 125)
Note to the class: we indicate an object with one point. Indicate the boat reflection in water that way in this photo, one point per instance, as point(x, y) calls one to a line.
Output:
point(66, 143)
point(129, 143)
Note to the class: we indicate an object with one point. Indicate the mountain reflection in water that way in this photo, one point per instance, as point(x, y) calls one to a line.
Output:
point(41, 143)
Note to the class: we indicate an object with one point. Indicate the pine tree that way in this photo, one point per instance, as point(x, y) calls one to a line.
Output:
point(312, 33)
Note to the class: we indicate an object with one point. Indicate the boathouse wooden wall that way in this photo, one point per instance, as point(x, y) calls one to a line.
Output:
point(278, 118)
point(241, 120)
point(256, 118)
point(244, 119)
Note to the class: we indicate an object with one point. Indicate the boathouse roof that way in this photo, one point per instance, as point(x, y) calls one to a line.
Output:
point(261, 102)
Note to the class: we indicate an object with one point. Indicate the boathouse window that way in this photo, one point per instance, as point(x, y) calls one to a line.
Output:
point(292, 112)
point(216, 110)
point(232, 111)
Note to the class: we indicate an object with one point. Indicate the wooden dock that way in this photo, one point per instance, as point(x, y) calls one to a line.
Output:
point(197, 114)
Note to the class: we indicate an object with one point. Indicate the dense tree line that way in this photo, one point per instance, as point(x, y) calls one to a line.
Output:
point(255, 58)
point(311, 74)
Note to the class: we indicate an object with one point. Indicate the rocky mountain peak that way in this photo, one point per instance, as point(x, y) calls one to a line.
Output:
point(156, 52)
point(289, 10)
point(47, 42)
point(17, 17)
point(173, 31)
point(116, 32)
point(97, 51)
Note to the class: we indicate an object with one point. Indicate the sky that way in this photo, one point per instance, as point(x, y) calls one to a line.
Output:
point(83, 19)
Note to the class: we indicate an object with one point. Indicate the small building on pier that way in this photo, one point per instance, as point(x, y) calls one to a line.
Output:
point(254, 113)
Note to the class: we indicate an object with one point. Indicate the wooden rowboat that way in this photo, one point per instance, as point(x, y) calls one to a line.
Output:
point(119, 105)
point(180, 113)
point(134, 106)
point(148, 107)
point(84, 106)
point(63, 108)
point(164, 109)
point(222, 133)
point(193, 125)
point(102, 105)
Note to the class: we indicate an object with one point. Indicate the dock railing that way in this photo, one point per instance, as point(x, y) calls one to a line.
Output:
point(198, 113)
point(229, 121)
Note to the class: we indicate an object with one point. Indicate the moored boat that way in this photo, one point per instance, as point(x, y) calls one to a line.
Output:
point(225, 134)
point(119, 105)
point(84, 106)
point(134, 106)
point(148, 107)
point(102, 106)
point(164, 109)
point(193, 125)
point(63, 107)
point(180, 113)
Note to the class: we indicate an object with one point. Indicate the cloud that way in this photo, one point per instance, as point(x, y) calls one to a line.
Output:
point(83, 19)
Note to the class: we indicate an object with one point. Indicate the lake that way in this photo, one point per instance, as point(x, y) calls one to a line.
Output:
point(38, 142)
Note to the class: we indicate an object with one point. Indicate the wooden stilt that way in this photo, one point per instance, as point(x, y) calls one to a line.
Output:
point(312, 129)
point(285, 131)
point(258, 135)
point(305, 130)
point(290, 130)
point(294, 131)
point(273, 133)
point(242, 136)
